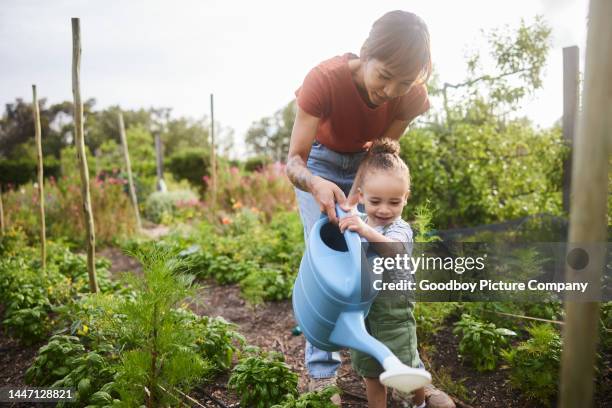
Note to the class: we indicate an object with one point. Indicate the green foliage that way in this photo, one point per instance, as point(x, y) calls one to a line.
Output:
point(318, 399)
point(256, 163)
point(217, 341)
point(480, 341)
point(430, 317)
point(162, 352)
point(23, 170)
point(30, 297)
point(160, 206)
point(191, 164)
point(266, 284)
point(535, 363)
point(486, 172)
point(262, 381)
point(269, 137)
point(422, 224)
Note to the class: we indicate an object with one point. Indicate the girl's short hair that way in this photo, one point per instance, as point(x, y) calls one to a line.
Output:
point(384, 155)
point(400, 39)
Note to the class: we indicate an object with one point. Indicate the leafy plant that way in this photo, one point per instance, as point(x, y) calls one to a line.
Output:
point(480, 342)
point(535, 363)
point(430, 317)
point(217, 341)
point(162, 353)
point(315, 399)
point(263, 380)
point(266, 284)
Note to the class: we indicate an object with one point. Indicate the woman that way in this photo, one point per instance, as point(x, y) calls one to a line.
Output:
point(344, 104)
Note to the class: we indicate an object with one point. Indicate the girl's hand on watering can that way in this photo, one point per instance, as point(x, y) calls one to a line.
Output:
point(327, 194)
point(353, 223)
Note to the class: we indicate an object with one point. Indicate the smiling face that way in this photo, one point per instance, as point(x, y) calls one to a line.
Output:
point(384, 195)
point(382, 84)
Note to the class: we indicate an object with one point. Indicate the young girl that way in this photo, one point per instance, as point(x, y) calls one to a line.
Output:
point(383, 185)
point(344, 104)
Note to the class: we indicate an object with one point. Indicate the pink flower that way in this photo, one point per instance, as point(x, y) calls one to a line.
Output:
point(234, 170)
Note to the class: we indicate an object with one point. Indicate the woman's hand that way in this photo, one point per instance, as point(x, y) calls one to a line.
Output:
point(354, 223)
point(327, 194)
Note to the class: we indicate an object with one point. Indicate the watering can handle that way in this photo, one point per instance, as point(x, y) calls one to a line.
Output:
point(353, 240)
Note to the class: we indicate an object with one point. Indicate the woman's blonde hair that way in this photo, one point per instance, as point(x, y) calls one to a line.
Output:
point(400, 40)
point(384, 155)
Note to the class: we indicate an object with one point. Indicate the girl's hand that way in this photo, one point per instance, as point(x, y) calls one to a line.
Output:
point(327, 194)
point(353, 223)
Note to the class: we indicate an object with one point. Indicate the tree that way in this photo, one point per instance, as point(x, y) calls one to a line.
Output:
point(270, 136)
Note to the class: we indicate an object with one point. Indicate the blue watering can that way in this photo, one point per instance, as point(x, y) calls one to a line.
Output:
point(331, 298)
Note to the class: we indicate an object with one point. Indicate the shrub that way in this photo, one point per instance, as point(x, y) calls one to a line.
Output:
point(481, 342)
point(535, 363)
point(163, 205)
point(17, 172)
point(263, 380)
point(257, 163)
point(162, 352)
point(190, 164)
point(112, 211)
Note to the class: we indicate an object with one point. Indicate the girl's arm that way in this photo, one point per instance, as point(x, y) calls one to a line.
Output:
point(325, 192)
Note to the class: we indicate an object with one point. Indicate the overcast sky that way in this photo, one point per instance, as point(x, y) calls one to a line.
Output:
point(251, 54)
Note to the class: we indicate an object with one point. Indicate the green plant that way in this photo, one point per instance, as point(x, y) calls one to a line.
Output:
point(430, 317)
point(266, 284)
point(535, 363)
point(320, 399)
point(165, 204)
point(481, 342)
point(191, 164)
point(217, 340)
point(162, 353)
point(263, 380)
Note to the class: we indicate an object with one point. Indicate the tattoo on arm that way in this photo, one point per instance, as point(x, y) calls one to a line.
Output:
point(297, 172)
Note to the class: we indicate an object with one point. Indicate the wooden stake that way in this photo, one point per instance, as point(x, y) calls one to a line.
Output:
point(41, 192)
point(588, 207)
point(1, 214)
point(126, 157)
point(570, 110)
point(81, 157)
point(213, 159)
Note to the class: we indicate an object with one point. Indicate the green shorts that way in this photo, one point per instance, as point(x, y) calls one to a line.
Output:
point(391, 321)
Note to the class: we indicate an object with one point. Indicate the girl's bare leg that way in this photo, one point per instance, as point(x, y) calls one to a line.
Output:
point(376, 392)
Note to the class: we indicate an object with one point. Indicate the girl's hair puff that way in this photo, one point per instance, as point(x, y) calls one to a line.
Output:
point(400, 39)
point(384, 155)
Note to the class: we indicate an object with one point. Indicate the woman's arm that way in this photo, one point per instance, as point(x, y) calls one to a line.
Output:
point(302, 136)
point(324, 191)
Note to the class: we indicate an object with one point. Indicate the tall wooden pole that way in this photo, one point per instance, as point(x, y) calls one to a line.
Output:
point(213, 159)
point(2, 227)
point(128, 165)
point(81, 157)
point(571, 71)
point(588, 207)
point(41, 192)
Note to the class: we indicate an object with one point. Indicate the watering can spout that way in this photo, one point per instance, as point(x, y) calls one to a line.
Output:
point(350, 331)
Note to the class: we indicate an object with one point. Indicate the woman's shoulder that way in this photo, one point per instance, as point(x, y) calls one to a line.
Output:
point(337, 65)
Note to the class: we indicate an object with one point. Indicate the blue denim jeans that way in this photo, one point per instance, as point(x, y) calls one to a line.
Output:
point(339, 168)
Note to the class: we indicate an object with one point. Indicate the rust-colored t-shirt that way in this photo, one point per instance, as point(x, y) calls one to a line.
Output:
point(347, 123)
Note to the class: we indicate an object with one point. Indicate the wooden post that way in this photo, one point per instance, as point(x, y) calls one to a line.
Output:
point(2, 227)
point(41, 192)
point(160, 162)
point(213, 159)
point(570, 110)
point(126, 157)
point(588, 207)
point(81, 157)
